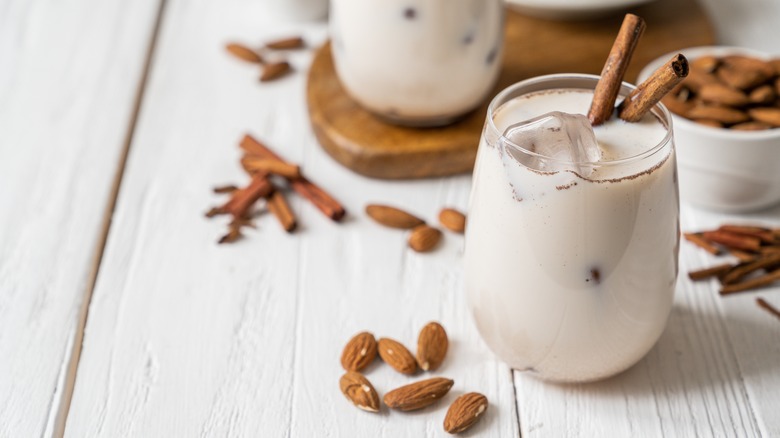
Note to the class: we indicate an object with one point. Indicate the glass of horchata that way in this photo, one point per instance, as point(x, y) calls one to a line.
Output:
point(571, 253)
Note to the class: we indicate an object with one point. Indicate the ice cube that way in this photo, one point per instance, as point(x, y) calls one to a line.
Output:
point(562, 141)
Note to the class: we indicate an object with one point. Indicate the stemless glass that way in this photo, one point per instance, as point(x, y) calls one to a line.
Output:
point(571, 275)
point(418, 62)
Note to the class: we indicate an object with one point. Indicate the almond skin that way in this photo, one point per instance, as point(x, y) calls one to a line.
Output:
point(452, 220)
point(424, 238)
point(275, 70)
point(419, 394)
point(397, 356)
point(358, 390)
point(465, 412)
point(432, 346)
point(244, 53)
point(359, 352)
point(393, 217)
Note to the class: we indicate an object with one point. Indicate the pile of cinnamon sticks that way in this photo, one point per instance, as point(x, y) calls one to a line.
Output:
point(270, 173)
point(757, 250)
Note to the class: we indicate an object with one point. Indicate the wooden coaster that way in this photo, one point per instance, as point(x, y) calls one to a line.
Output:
point(367, 145)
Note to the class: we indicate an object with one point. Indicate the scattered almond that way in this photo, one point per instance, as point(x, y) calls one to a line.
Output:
point(432, 346)
point(244, 53)
point(419, 394)
point(465, 412)
point(286, 43)
point(393, 217)
point(424, 238)
point(358, 390)
point(452, 220)
point(359, 352)
point(397, 356)
point(275, 70)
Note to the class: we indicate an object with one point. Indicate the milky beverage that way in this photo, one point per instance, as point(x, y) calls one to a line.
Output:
point(417, 61)
point(570, 268)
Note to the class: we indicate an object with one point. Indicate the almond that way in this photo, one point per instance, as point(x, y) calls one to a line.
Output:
point(775, 63)
point(397, 356)
point(359, 352)
point(764, 94)
point(705, 64)
point(710, 123)
point(677, 105)
point(431, 346)
point(697, 79)
point(723, 95)
point(751, 126)
point(419, 394)
point(244, 53)
point(744, 74)
point(766, 115)
point(286, 43)
point(465, 412)
point(393, 217)
point(727, 116)
point(275, 70)
point(452, 220)
point(357, 389)
point(424, 238)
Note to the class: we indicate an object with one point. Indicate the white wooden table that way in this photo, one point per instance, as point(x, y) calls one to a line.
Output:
point(120, 316)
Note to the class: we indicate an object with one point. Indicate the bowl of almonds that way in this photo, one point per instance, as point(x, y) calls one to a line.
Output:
point(726, 117)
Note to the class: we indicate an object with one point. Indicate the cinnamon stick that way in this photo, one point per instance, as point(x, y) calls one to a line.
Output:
point(744, 269)
point(242, 199)
point(317, 196)
point(764, 234)
point(757, 282)
point(278, 205)
point(742, 256)
point(275, 167)
point(715, 271)
point(225, 189)
point(768, 307)
point(734, 240)
point(653, 89)
point(608, 86)
point(701, 242)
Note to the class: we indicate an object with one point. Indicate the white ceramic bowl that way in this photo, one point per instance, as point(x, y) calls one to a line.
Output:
point(720, 169)
point(572, 9)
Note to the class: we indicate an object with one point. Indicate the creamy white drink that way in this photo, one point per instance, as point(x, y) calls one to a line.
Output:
point(423, 62)
point(570, 273)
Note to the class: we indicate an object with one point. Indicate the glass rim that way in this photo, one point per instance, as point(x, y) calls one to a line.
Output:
point(502, 97)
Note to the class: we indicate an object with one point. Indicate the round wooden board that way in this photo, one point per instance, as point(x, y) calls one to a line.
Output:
point(533, 47)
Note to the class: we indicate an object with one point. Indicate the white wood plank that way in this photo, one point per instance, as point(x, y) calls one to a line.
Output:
point(69, 75)
point(752, 333)
point(712, 373)
point(187, 338)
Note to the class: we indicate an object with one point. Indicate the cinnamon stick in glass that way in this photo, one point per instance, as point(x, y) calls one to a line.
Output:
point(653, 89)
point(608, 86)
